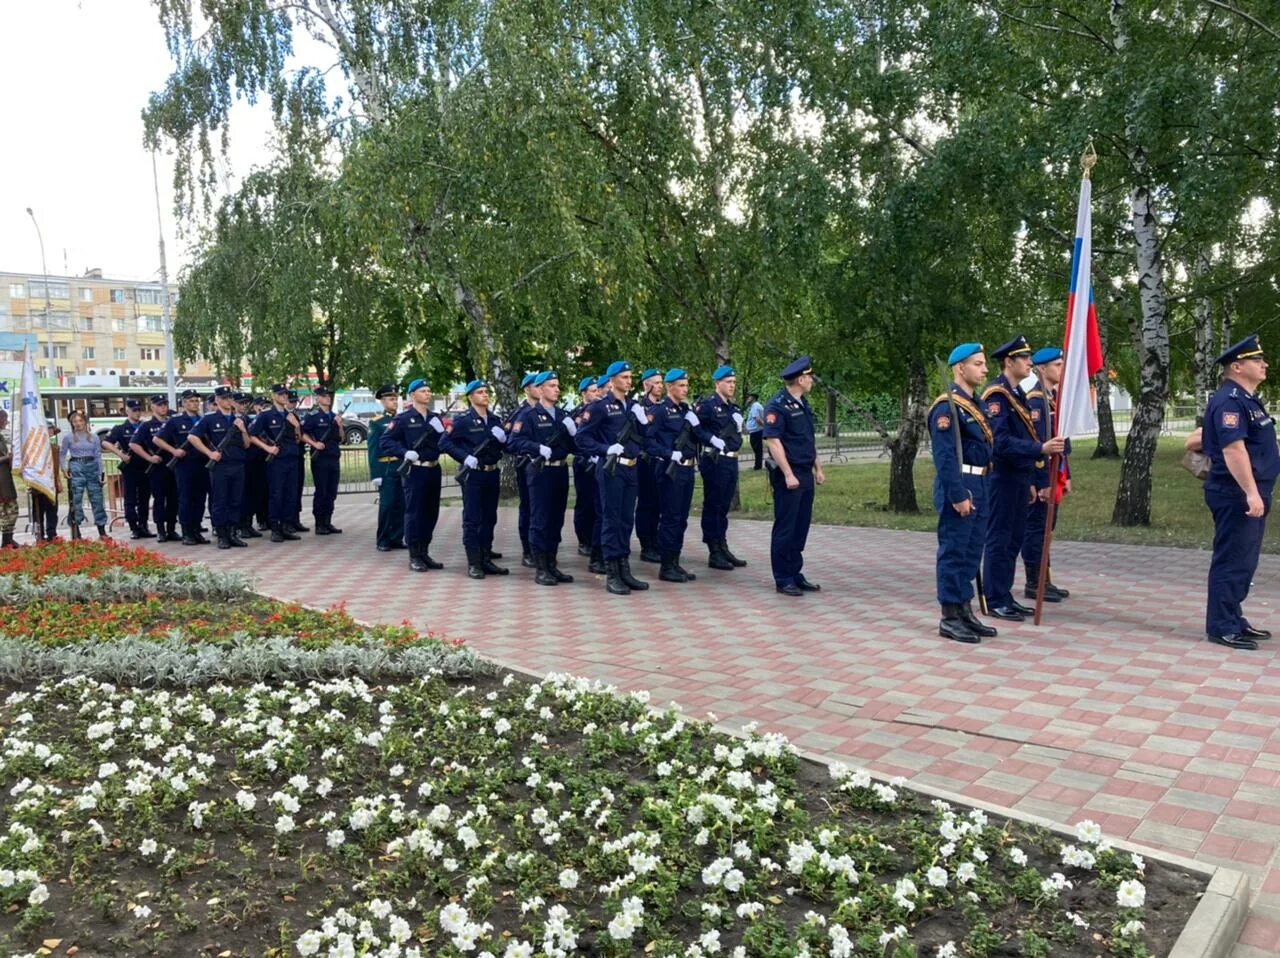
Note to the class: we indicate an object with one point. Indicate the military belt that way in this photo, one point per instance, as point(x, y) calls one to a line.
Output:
point(387, 459)
point(1039, 463)
point(625, 462)
point(428, 463)
point(483, 468)
point(969, 470)
point(560, 463)
point(685, 462)
point(711, 452)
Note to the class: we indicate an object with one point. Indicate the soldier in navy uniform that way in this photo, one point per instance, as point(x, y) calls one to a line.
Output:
point(648, 506)
point(254, 501)
point(133, 470)
point(1019, 452)
point(382, 472)
point(962, 444)
point(1042, 401)
point(414, 437)
point(475, 439)
point(223, 438)
point(584, 479)
point(545, 435)
point(790, 434)
point(280, 435)
point(301, 479)
point(190, 474)
point(672, 443)
point(596, 564)
point(324, 431)
point(602, 433)
point(160, 479)
point(1239, 437)
point(522, 479)
point(719, 467)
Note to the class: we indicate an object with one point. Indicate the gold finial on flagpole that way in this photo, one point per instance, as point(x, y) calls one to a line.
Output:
point(1088, 158)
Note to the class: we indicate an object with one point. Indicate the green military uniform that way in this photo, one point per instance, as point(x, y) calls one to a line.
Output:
point(386, 479)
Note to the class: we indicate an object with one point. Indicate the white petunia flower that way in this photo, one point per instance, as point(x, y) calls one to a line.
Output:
point(1131, 894)
point(569, 878)
point(148, 847)
point(937, 877)
point(1089, 832)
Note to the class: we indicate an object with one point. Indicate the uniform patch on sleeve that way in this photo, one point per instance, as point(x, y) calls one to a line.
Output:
point(993, 408)
point(944, 423)
point(1230, 420)
point(1035, 415)
point(448, 427)
point(516, 427)
point(391, 425)
point(586, 416)
point(771, 418)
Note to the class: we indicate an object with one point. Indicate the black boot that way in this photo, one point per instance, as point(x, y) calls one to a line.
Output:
point(102, 532)
point(975, 624)
point(189, 538)
point(247, 531)
point(144, 532)
point(173, 532)
point(624, 570)
point(1033, 577)
point(277, 532)
point(333, 530)
point(614, 582)
point(953, 627)
point(475, 568)
point(688, 576)
point(717, 559)
point(553, 566)
point(286, 530)
point(200, 539)
point(426, 556)
point(669, 572)
point(649, 552)
point(584, 548)
point(1049, 584)
point(133, 531)
point(487, 563)
point(597, 564)
point(544, 576)
point(224, 540)
point(233, 536)
point(526, 557)
point(322, 529)
point(416, 562)
point(297, 526)
point(724, 551)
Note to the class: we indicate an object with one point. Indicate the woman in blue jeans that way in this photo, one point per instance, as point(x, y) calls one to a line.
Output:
point(82, 462)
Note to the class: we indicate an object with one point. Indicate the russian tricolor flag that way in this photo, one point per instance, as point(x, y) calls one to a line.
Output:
point(1082, 349)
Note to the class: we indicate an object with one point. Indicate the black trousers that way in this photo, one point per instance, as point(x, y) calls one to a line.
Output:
point(757, 447)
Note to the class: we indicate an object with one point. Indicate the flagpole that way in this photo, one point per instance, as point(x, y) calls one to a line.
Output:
point(1087, 160)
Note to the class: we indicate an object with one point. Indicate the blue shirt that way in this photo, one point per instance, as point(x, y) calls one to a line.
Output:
point(1236, 415)
point(273, 427)
point(791, 420)
point(175, 431)
point(467, 433)
point(120, 436)
point(79, 445)
point(755, 417)
point(950, 484)
point(144, 438)
point(218, 431)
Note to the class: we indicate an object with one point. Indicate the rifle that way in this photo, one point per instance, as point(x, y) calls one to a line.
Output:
point(173, 460)
point(233, 430)
point(324, 440)
point(462, 472)
point(535, 462)
point(402, 470)
point(682, 444)
point(275, 440)
point(955, 418)
point(730, 431)
point(624, 437)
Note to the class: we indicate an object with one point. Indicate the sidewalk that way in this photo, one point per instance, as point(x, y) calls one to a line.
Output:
point(1116, 709)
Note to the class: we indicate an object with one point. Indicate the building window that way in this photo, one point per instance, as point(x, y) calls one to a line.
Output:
point(85, 323)
point(118, 353)
point(86, 352)
point(59, 352)
point(149, 297)
point(151, 353)
point(17, 291)
point(117, 296)
point(56, 290)
point(4, 317)
point(86, 294)
point(150, 324)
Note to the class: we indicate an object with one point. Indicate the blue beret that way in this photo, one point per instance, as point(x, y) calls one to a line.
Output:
point(963, 352)
point(132, 404)
point(722, 372)
point(649, 372)
point(546, 377)
point(1248, 348)
point(278, 389)
point(386, 389)
point(417, 384)
point(1018, 346)
point(801, 366)
point(222, 391)
point(472, 386)
point(586, 384)
point(618, 366)
point(158, 399)
point(190, 394)
point(675, 376)
point(528, 380)
point(1046, 355)
point(602, 380)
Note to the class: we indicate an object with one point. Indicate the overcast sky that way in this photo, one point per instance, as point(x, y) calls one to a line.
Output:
point(76, 75)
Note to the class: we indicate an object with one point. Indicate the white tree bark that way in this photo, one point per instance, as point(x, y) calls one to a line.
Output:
point(1206, 349)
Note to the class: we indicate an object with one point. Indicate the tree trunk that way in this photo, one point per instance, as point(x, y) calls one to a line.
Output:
point(493, 358)
point(1107, 448)
point(905, 446)
point(1203, 364)
point(1133, 498)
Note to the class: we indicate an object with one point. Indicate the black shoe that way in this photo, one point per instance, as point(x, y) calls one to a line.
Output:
point(1061, 591)
point(277, 532)
point(669, 572)
point(597, 564)
point(634, 584)
point(544, 576)
point(1249, 632)
point(297, 526)
point(553, 566)
point(287, 531)
point(1019, 607)
point(1233, 641)
point(650, 553)
point(1049, 594)
point(527, 561)
point(954, 627)
point(430, 562)
point(689, 576)
point(487, 563)
point(382, 548)
point(790, 589)
point(190, 541)
point(201, 540)
point(416, 562)
point(322, 529)
point(247, 531)
point(1006, 612)
point(333, 530)
point(724, 550)
point(717, 559)
point(144, 532)
point(584, 550)
point(805, 584)
point(613, 582)
point(975, 624)
point(474, 568)
point(399, 544)
point(224, 539)
point(494, 555)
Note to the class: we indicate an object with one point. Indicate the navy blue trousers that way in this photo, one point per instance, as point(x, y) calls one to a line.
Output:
point(137, 495)
point(164, 496)
point(960, 543)
point(1009, 493)
point(675, 496)
point(522, 516)
point(193, 490)
point(421, 504)
point(1237, 542)
point(324, 473)
point(1033, 540)
point(226, 489)
point(618, 509)
point(719, 485)
point(549, 491)
point(648, 507)
point(390, 509)
point(282, 485)
point(792, 513)
point(584, 501)
point(480, 491)
point(254, 503)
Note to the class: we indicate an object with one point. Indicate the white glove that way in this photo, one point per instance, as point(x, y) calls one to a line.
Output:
point(570, 426)
point(411, 455)
point(677, 455)
point(544, 452)
point(692, 419)
point(498, 433)
point(718, 443)
point(594, 459)
point(614, 450)
point(377, 483)
point(471, 462)
point(436, 424)
point(642, 417)
point(737, 419)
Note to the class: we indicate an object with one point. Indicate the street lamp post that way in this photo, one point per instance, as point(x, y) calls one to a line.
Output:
point(48, 306)
point(164, 283)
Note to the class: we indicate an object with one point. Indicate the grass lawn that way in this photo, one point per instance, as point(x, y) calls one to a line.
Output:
point(857, 495)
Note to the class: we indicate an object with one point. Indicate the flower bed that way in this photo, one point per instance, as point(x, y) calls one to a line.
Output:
point(86, 557)
point(377, 796)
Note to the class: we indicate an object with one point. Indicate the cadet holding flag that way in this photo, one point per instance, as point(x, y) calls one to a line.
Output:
point(1042, 403)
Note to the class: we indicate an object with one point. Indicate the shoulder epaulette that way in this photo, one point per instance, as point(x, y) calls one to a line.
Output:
point(972, 409)
point(1015, 406)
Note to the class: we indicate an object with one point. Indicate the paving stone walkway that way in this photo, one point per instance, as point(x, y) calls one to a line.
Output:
point(1115, 709)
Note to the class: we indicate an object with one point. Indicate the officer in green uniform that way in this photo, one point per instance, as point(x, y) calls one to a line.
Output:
point(383, 472)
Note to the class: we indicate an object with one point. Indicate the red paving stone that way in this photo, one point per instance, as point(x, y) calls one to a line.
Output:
point(1115, 698)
